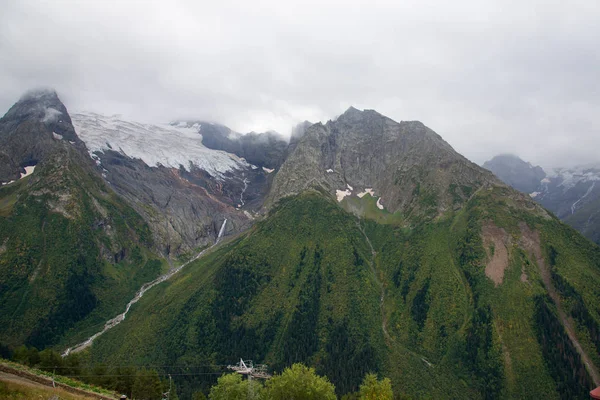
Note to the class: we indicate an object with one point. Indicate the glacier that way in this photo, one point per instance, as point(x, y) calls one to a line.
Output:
point(154, 144)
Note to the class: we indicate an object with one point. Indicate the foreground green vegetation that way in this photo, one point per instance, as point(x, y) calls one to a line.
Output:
point(45, 365)
point(296, 382)
point(77, 372)
point(17, 391)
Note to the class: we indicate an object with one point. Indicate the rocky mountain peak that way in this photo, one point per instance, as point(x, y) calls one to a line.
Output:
point(40, 103)
point(299, 130)
point(353, 115)
point(34, 127)
point(515, 172)
point(400, 163)
point(351, 112)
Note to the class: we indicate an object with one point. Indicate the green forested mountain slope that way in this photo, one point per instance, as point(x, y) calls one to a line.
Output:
point(71, 252)
point(421, 306)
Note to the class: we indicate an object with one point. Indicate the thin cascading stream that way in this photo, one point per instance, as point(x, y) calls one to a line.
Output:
point(111, 323)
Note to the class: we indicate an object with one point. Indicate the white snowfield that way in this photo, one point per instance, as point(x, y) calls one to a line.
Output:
point(156, 145)
point(572, 176)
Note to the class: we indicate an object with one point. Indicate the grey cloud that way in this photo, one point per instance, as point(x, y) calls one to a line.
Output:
point(489, 76)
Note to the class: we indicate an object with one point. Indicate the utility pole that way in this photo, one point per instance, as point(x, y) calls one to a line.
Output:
point(167, 395)
point(250, 389)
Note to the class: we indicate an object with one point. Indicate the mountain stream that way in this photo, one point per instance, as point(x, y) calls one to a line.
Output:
point(111, 323)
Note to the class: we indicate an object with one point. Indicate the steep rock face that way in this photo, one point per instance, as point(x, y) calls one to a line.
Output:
point(408, 166)
point(265, 149)
point(182, 188)
point(515, 172)
point(298, 132)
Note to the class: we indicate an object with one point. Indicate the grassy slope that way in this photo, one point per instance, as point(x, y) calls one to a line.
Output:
point(57, 271)
point(11, 390)
point(20, 382)
point(300, 288)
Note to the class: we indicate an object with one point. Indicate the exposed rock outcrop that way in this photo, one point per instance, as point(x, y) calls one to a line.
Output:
point(410, 167)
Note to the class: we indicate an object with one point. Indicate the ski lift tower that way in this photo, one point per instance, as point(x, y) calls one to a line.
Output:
point(247, 368)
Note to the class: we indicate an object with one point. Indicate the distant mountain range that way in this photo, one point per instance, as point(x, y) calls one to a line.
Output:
point(573, 194)
point(362, 245)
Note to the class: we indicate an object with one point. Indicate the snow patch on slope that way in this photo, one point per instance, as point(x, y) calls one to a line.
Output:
point(340, 194)
point(28, 171)
point(367, 191)
point(155, 145)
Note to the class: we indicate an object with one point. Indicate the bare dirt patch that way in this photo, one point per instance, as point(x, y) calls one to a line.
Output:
point(495, 241)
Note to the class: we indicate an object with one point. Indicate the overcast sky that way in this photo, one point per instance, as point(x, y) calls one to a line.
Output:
point(488, 76)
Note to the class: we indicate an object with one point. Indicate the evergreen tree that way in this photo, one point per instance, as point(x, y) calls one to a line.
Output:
point(50, 361)
point(198, 396)
point(26, 355)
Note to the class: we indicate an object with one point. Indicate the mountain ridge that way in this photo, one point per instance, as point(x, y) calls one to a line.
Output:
point(391, 164)
point(374, 246)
